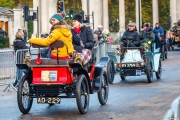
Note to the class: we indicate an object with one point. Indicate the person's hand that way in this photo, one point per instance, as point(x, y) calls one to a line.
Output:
point(28, 45)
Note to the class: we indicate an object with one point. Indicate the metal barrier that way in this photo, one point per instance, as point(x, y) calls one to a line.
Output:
point(174, 112)
point(7, 68)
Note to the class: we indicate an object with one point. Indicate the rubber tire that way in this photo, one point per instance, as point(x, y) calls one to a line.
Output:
point(166, 53)
point(104, 86)
point(82, 108)
point(19, 95)
point(159, 72)
point(123, 77)
point(163, 52)
point(148, 71)
point(110, 71)
point(168, 45)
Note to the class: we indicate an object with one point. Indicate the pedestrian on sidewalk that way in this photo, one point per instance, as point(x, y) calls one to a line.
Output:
point(19, 43)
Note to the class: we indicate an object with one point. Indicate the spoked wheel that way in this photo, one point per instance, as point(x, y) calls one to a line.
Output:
point(24, 101)
point(149, 71)
point(82, 94)
point(163, 52)
point(110, 71)
point(159, 72)
point(104, 91)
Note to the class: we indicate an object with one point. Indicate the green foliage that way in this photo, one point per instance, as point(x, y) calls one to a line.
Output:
point(24, 2)
point(7, 3)
point(146, 8)
point(113, 6)
point(4, 42)
point(30, 28)
point(164, 12)
point(130, 11)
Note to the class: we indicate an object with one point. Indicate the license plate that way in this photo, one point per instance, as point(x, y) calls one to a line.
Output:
point(138, 72)
point(49, 76)
point(129, 65)
point(49, 100)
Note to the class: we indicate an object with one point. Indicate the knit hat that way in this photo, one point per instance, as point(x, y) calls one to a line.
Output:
point(58, 16)
point(78, 18)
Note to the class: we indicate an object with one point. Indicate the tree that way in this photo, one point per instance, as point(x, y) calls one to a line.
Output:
point(164, 12)
point(24, 2)
point(7, 3)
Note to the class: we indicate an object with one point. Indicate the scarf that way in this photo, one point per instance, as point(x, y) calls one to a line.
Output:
point(77, 30)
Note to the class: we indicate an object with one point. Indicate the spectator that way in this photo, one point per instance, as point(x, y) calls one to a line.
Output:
point(19, 44)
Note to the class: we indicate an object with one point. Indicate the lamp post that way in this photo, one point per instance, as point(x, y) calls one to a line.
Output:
point(139, 11)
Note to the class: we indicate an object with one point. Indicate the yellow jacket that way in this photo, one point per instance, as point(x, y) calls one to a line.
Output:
point(60, 32)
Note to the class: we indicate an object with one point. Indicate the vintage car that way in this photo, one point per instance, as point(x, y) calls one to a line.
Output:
point(174, 39)
point(50, 80)
point(135, 61)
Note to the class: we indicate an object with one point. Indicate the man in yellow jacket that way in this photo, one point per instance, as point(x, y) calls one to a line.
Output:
point(60, 30)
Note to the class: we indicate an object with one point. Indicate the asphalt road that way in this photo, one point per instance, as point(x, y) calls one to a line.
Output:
point(132, 99)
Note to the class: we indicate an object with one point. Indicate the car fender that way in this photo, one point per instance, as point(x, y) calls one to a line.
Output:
point(99, 69)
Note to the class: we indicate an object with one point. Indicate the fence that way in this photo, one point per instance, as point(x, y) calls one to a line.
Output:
point(174, 112)
point(7, 68)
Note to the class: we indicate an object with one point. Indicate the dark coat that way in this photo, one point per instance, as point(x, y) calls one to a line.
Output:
point(132, 34)
point(147, 35)
point(19, 44)
point(86, 37)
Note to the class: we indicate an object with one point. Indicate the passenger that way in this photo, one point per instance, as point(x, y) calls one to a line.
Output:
point(130, 33)
point(158, 30)
point(18, 44)
point(175, 28)
point(60, 30)
point(82, 40)
point(147, 36)
point(82, 35)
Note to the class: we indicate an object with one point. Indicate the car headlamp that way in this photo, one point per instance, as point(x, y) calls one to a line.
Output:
point(149, 42)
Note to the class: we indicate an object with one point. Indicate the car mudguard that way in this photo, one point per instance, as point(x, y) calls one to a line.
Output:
point(99, 68)
point(24, 68)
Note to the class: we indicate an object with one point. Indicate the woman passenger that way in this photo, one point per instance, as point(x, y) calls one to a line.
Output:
point(60, 30)
point(82, 35)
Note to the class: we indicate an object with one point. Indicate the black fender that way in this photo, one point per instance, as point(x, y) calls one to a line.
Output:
point(98, 72)
point(25, 69)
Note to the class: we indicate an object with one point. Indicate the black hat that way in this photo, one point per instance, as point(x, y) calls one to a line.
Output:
point(78, 18)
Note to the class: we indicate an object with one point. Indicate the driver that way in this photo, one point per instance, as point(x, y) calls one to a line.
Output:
point(60, 30)
point(132, 35)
